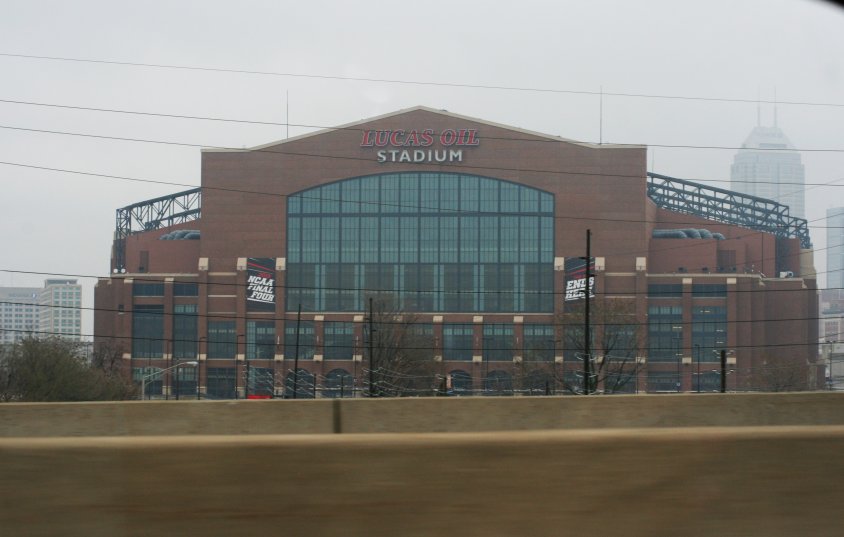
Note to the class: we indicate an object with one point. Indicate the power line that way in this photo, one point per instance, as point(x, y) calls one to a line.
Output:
point(421, 82)
point(618, 321)
point(539, 138)
point(564, 349)
point(141, 277)
point(380, 203)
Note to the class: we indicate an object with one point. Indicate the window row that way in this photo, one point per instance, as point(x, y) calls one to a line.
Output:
point(425, 239)
point(422, 287)
point(420, 193)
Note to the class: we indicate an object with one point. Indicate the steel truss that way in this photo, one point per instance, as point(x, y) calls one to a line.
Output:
point(153, 214)
point(721, 205)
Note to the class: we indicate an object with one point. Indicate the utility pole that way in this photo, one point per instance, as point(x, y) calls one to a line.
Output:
point(296, 357)
point(587, 340)
point(371, 364)
point(723, 371)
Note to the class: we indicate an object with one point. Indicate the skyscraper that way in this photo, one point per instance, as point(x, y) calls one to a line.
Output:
point(768, 166)
point(52, 310)
point(835, 248)
point(18, 313)
point(61, 313)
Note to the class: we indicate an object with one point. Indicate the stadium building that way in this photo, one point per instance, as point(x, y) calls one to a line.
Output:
point(471, 237)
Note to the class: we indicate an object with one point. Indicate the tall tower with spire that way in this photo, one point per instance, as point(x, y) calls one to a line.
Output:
point(768, 166)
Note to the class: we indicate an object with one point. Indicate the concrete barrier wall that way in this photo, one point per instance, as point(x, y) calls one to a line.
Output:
point(759, 481)
point(446, 414)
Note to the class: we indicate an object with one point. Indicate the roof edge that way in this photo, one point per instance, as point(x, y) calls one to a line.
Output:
point(426, 109)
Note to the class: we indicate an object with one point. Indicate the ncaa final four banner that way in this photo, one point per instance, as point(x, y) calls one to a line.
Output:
point(576, 279)
point(260, 284)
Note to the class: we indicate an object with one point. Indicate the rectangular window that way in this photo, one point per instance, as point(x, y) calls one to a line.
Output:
point(147, 288)
point(704, 290)
point(665, 290)
point(448, 239)
point(709, 332)
point(330, 198)
point(390, 190)
point(350, 239)
point(663, 381)
point(498, 342)
point(369, 239)
point(148, 331)
point(409, 240)
point(294, 240)
point(530, 200)
point(306, 348)
point(260, 340)
point(457, 341)
point(489, 242)
point(310, 239)
point(409, 193)
point(489, 195)
point(369, 198)
point(222, 340)
point(509, 198)
point(310, 201)
point(260, 382)
point(350, 196)
point(339, 340)
point(538, 343)
point(151, 377)
point(184, 331)
point(665, 333)
point(449, 192)
point(430, 192)
point(469, 239)
point(185, 289)
point(389, 239)
point(220, 383)
point(330, 234)
point(469, 194)
point(428, 239)
point(183, 381)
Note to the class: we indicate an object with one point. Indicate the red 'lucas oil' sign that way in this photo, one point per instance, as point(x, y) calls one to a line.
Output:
point(420, 145)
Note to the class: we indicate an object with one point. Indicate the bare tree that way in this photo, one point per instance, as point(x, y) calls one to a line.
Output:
point(400, 353)
point(614, 345)
point(54, 369)
point(782, 374)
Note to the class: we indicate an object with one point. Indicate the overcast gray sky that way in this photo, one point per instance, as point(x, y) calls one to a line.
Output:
point(62, 223)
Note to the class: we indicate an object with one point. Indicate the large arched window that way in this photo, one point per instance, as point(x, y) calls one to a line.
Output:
point(429, 242)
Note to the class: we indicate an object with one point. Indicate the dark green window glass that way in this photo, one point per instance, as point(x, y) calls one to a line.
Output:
point(538, 343)
point(148, 331)
point(339, 340)
point(498, 342)
point(457, 341)
point(184, 331)
point(260, 340)
point(222, 340)
point(709, 332)
point(307, 340)
point(665, 333)
point(478, 244)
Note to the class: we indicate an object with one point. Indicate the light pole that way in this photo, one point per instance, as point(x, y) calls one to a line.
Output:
point(679, 360)
point(192, 363)
point(236, 348)
point(198, 352)
point(697, 357)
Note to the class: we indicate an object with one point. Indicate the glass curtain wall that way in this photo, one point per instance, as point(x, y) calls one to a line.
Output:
point(431, 242)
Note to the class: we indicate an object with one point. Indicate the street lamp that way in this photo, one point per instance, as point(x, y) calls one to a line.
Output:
point(697, 352)
point(236, 349)
point(192, 363)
